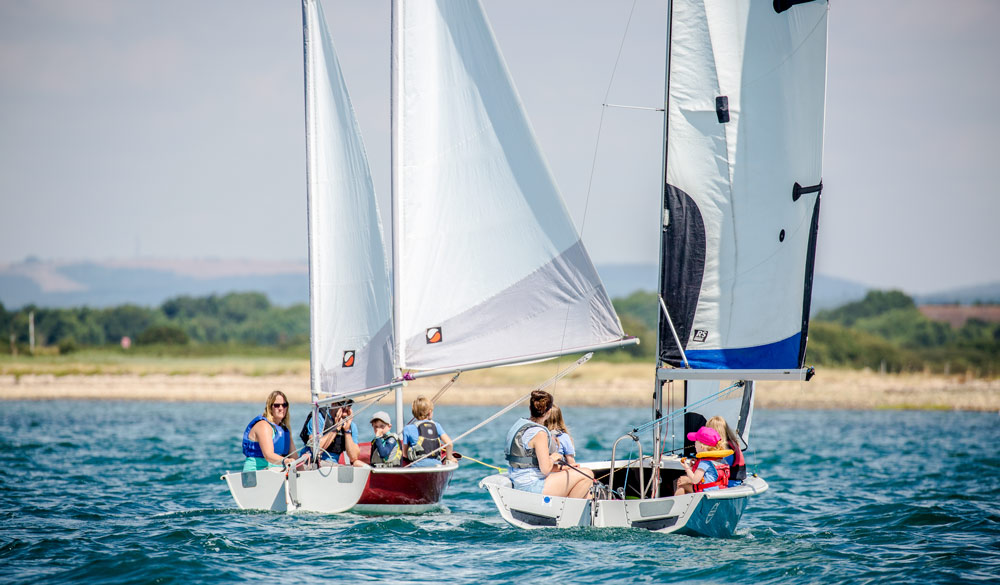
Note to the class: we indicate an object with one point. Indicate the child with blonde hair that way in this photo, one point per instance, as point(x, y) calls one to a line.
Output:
point(424, 436)
point(710, 473)
point(561, 432)
point(737, 465)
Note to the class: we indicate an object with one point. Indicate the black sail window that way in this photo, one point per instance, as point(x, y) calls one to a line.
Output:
point(722, 108)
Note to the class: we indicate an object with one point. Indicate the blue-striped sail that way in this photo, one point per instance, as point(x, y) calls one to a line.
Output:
point(746, 98)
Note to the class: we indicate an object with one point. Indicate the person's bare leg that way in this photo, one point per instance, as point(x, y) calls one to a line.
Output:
point(582, 488)
point(557, 484)
point(683, 486)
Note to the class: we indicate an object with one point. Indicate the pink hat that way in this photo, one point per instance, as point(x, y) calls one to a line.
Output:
point(706, 435)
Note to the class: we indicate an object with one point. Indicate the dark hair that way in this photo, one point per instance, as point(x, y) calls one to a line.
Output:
point(540, 403)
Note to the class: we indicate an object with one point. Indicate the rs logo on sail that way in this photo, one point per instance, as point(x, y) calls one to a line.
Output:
point(348, 358)
point(434, 335)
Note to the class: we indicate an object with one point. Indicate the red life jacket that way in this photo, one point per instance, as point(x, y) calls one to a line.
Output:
point(721, 469)
point(738, 470)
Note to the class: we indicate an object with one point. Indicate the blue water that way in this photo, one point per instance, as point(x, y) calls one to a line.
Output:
point(130, 493)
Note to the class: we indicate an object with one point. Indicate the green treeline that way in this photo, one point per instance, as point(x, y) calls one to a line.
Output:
point(234, 319)
point(883, 330)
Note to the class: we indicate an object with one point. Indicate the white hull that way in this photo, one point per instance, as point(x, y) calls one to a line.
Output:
point(713, 513)
point(328, 489)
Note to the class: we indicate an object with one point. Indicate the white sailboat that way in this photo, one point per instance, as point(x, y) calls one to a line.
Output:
point(487, 267)
point(350, 309)
point(743, 135)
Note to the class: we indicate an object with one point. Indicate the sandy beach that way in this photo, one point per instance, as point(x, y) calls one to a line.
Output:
point(593, 385)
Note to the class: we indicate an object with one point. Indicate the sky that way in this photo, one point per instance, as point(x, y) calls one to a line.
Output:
point(176, 129)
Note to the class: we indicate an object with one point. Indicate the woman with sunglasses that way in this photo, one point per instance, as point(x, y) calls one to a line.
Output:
point(267, 442)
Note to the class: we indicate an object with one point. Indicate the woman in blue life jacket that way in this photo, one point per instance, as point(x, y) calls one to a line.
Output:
point(560, 431)
point(705, 474)
point(532, 453)
point(736, 462)
point(424, 436)
point(267, 442)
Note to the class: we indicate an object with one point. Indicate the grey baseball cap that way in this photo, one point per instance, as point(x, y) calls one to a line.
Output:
point(382, 416)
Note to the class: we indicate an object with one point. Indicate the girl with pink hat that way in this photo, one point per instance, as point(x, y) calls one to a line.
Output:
point(711, 472)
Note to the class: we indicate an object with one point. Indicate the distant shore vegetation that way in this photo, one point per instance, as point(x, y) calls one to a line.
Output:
point(885, 331)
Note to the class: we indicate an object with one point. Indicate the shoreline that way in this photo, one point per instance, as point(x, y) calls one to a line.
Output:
point(603, 385)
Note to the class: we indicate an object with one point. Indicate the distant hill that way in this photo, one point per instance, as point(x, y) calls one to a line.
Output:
point(981, 293)
point(146, 282)
point(150, 281)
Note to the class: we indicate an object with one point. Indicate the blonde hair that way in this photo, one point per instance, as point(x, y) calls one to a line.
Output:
point(268, 412)
point(422, 407)
point(720, 426)
point(555, 420)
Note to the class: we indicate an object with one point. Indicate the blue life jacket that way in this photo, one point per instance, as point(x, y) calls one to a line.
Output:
point(282, 440)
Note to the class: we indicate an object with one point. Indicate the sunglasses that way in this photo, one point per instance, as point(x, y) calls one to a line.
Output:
point(280, 405)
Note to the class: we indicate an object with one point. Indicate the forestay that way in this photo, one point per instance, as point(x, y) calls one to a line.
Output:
point(349, 287)
point(488, 263)
point(744, 169)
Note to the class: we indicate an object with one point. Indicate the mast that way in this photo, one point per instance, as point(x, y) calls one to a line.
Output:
point(658, 384)
point(311, 190)
point(396, 160)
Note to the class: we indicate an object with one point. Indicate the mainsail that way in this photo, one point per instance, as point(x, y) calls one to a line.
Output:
point(349, 291)
point(747, 84)
point(488, 265)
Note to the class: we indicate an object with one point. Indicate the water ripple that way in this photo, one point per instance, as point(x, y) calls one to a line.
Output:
point(143, 503)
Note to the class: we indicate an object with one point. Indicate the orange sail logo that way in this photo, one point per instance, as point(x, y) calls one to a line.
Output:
point(434, 335)
point(348, 358)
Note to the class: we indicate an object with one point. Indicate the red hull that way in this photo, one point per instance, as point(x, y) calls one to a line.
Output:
point(403, 486)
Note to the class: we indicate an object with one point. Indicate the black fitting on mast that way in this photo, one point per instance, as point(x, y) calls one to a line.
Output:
point(799, 190)
point(783, 5)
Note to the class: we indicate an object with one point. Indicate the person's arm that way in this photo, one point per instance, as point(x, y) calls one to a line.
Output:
point(570, 450)
point(448, 451)
point(350, 446)
point(327, 440)
point(403, 444)
point(694, 475)
point(540, 443)
point(263, 434)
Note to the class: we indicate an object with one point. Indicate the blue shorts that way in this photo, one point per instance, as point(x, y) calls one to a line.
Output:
point(534, 486)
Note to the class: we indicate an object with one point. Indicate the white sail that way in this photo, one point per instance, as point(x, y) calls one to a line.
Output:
point(747, 84)
point(349, 291)
point(488, 263)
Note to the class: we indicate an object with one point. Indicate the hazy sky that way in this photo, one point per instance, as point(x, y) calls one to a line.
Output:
point(175, 129)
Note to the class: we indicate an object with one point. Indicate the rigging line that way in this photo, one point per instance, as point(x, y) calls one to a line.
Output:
point(443, 389)
point(510, 406)
point(597, 144)
point(671, 415)
point(371, 402)
point(600, 123)
point(499, 469)
point(634, 107)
